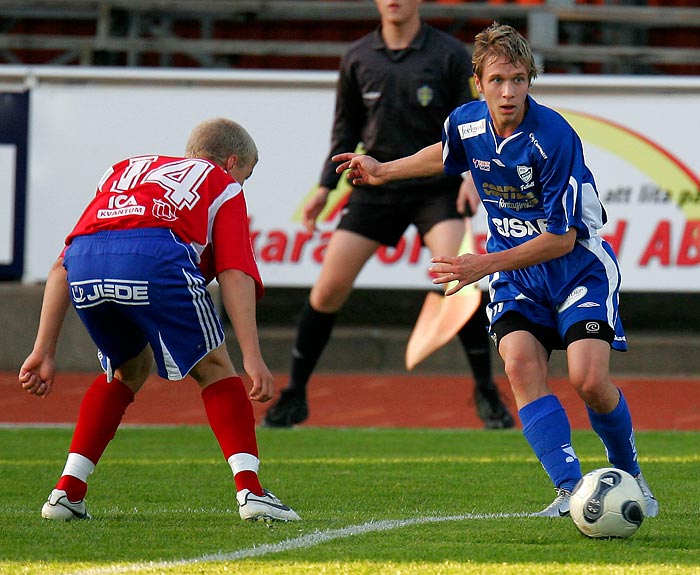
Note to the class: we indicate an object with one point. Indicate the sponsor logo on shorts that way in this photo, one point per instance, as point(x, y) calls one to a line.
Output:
point(471, 129)
point(90, 293)
point(592, 327)
point(576, 295)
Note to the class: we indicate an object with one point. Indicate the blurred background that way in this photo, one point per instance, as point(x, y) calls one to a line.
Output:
point(85, 83)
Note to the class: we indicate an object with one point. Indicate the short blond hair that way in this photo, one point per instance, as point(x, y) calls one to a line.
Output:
point(220, 138)
point(502, 40)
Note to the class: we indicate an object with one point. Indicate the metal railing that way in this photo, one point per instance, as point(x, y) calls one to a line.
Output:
point(147, 28)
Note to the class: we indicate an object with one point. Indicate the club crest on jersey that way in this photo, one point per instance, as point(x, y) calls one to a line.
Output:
point(471, 129)
point(163, 211)
point(425, 95)
point(525, 173)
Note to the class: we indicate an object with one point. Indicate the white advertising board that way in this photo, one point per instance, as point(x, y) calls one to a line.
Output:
point(7, 205)
point(639, 137)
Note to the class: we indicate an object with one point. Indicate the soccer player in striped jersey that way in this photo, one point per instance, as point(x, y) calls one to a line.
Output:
point(554, 282)
point(135, 268)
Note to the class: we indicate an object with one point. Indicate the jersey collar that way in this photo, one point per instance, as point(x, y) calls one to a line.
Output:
point(416, 43)
point(527, 120)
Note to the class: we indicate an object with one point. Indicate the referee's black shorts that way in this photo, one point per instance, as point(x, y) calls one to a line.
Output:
point(386, 223)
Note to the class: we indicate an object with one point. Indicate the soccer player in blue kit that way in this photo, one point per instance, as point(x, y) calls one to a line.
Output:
point(553, 281)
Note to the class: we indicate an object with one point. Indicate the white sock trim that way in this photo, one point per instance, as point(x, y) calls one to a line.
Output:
point(78, 466)
point(243, 462)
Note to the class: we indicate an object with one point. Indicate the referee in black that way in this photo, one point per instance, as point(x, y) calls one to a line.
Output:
point(396, 87)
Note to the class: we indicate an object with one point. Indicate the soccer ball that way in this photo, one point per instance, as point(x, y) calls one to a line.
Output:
point(607, 503)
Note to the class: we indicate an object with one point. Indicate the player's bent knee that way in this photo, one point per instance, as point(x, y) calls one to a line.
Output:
point(134, 372)
point(328, 300)
point(214, 366)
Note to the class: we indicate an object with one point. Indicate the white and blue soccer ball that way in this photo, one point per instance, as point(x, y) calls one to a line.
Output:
point(607, 503)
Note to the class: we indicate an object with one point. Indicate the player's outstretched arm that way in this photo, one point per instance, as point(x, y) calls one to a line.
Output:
point(365, 170)
point(37, 373)
point(238, 295)
point(466, 269)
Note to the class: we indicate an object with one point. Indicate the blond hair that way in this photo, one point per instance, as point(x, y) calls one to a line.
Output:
point(501, 40)
point(220, 138)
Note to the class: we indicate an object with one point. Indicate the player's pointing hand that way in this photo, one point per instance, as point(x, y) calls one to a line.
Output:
point(465, 269)
point(362, 169)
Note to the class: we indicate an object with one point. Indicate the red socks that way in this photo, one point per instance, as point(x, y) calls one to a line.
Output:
point(75, 488)
point(101, 412)
point(231, 418)
point(228, 408)
point(248, 480)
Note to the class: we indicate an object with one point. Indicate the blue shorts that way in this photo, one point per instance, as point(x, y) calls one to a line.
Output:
point(581, 287)
point(133, 288)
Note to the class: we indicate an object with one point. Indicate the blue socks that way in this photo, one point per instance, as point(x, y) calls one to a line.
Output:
point(547, 430)
point(616, 433)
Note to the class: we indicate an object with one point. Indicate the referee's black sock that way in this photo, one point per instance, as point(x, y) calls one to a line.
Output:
point(477, 347)
point(313, 332)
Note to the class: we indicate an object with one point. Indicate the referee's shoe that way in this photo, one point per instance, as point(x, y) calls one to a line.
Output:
point(291, 409)
point(491, 409)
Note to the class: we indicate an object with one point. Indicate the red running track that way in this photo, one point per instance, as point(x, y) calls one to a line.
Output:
point(357, 400)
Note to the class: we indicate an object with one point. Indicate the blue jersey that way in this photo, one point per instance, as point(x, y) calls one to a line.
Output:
point(531, 182)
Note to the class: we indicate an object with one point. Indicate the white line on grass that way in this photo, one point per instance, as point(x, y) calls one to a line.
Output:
point(303, 542)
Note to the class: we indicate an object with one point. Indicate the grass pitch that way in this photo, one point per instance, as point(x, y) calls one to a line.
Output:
point(377, 502)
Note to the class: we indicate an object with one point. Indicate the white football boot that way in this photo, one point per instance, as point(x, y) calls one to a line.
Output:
point(557, 508)
point(652, 508)
point(59, 508)
point(263, 508)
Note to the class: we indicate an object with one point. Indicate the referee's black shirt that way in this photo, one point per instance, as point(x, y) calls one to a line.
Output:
point(395, 103)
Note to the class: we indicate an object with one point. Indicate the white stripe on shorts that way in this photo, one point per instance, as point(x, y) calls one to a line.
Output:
point(205, 312)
